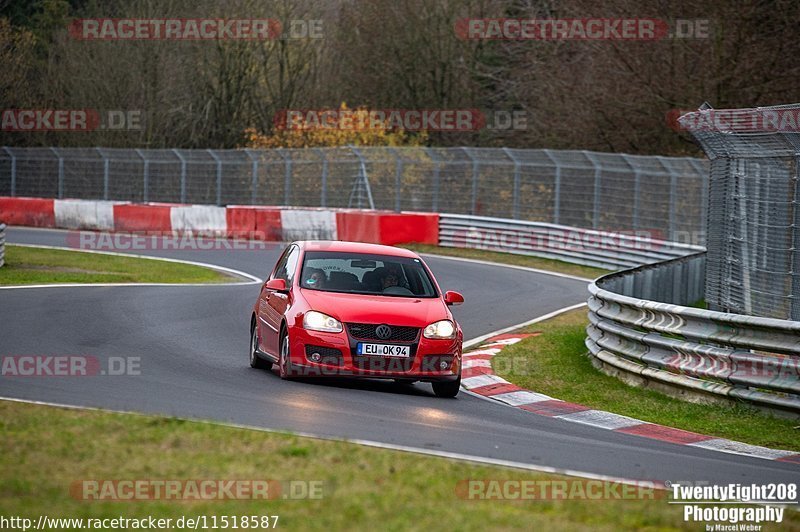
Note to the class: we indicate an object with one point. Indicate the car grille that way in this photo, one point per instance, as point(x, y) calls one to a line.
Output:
point(366, 331)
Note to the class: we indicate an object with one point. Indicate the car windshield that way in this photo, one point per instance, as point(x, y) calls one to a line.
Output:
point(357, 273)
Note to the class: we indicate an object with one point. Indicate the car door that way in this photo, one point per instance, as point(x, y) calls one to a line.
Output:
point(273, 304)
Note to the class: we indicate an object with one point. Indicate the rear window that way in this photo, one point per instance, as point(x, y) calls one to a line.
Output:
point(357, 273)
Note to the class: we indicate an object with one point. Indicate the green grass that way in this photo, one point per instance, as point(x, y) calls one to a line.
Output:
point(45, 449)
point(26, 265)
point(509, 258)
point(556, 363)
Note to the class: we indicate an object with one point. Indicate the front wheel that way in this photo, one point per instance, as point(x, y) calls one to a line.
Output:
point(256, 361)
point(284, 360)
point(448, 388)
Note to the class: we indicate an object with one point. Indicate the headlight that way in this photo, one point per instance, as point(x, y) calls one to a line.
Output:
point(440, 330)
point(317, 321)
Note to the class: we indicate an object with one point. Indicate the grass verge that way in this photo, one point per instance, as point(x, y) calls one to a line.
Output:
point(46, 449)
point(555, 363)
point(26, 265)
point(509, 258)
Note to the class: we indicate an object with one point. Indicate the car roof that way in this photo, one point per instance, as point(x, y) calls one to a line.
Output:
point(354, 247)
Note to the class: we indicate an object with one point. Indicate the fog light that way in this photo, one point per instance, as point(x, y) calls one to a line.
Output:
point(443, 364)
point(315, 357)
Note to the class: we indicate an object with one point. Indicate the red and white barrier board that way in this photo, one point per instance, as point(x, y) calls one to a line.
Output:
point(237, 221)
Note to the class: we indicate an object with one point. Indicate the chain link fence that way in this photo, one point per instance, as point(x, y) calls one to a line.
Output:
point(754, 224)
point(662, 195)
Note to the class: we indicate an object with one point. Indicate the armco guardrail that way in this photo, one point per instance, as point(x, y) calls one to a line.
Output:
point(694, 350)
point(601, 249)
point(2, 244)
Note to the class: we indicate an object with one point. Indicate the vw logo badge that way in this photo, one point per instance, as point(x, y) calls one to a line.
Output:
point(383, 331)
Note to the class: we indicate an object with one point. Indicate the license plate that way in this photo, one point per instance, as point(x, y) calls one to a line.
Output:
point(383, 350)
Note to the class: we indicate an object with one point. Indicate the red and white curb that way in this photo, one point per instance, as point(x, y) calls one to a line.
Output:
point(478, 378)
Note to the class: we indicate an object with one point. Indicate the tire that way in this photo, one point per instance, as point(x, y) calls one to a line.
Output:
point(447, 389)
point(256, 361)
point(284, 360)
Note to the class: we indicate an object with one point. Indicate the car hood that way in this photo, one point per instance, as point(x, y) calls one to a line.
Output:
point(356, 308)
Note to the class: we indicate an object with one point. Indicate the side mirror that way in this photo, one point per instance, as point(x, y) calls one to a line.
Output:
point(279, 285)
point(453, 298)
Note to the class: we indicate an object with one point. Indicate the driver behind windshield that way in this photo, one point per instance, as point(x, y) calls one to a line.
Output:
point(389, 280)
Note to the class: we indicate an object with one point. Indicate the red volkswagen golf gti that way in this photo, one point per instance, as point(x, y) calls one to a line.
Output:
point(356, 310)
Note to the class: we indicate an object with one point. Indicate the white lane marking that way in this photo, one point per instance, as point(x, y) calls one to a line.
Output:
point(370, 443)
point(599, 418)
point(476, 363)
point(745, 449)
point(521, 397)
point(252, 279)
point(482, 380)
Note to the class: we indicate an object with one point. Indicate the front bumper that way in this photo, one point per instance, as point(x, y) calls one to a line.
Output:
point(338, 357)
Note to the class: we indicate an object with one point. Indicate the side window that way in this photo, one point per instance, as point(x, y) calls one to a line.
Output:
point(291, 264)
point(280, 268)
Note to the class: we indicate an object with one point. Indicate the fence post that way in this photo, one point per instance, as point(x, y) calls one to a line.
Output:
point(13, 170)
point(105, 172)
point(219, 175)
point(363, 178)
point(475, 173)
point(704, 194)
point(795, 274)
point(436, 176)
point(253, 176)
point(673, 191)
point(556, 188)
point(287, 177)
point(323, 195)
point(60, 173)
point(183, 174)
point(597, 176)
point(398, 178)
point(145, 175)
point(515, 208)
point(637, 183)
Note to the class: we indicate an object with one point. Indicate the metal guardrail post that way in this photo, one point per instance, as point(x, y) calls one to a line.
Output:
point(219, 175)
point(145, 175)
point(60, 173)
point(515, 199)
point(556, 188)
point(13, 170)
point(182, 159)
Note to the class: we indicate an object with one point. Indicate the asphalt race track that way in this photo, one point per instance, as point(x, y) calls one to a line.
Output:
point(193, 345)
